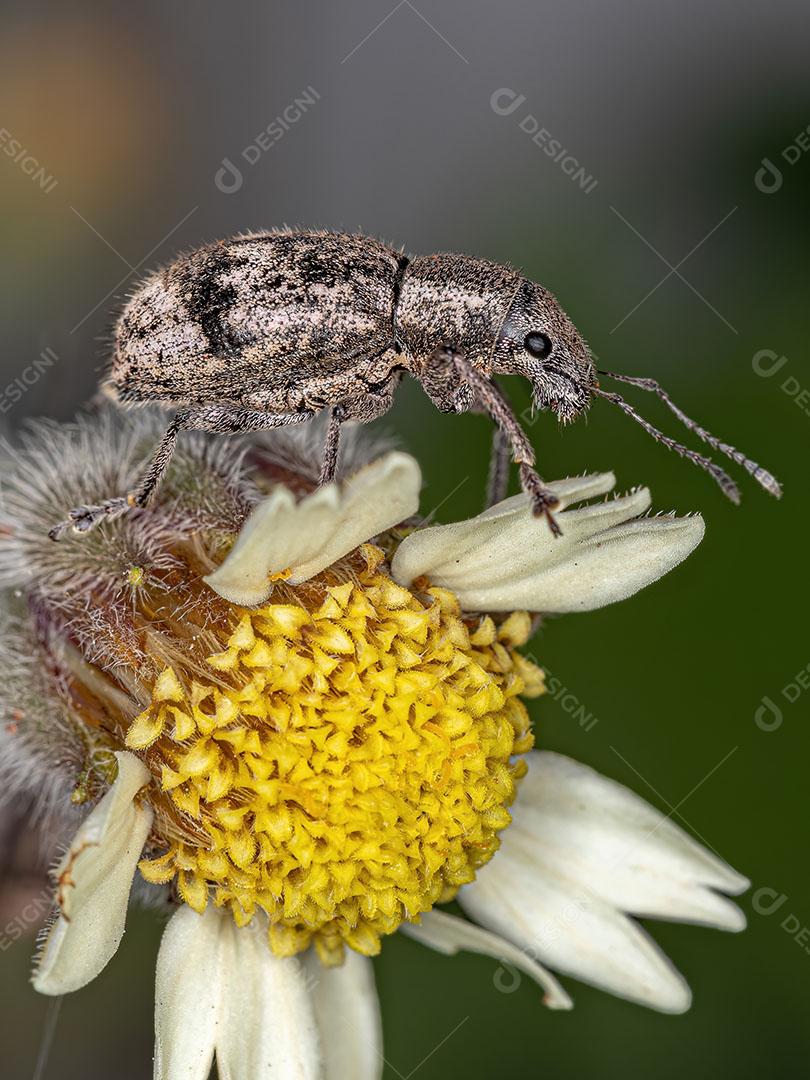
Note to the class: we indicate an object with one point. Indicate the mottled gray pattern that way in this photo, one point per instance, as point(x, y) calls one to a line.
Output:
point(290, 321)
point(268, 329)
point(259, 321)
point(454, 300)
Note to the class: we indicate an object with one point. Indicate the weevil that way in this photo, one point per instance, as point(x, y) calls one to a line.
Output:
point(270, 328)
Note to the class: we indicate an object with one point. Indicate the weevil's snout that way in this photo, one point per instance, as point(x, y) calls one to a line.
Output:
point(540, 342)
point(562, 389)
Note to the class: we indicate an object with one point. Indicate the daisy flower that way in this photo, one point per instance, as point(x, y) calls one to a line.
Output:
point(293, 718)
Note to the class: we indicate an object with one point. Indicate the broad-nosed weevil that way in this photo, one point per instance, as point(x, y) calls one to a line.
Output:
point(269, 328)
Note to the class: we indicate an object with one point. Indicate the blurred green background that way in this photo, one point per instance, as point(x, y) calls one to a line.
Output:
point(121, 118)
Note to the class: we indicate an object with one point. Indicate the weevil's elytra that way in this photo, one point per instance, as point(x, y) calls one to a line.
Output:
point(267, 329)
point(254, 321)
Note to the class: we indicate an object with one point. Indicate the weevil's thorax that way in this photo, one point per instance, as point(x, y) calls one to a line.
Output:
point(453, 300)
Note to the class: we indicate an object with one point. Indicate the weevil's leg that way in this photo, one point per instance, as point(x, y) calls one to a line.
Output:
point(331, 446)
point(219, 420)
point(762, 476)
point(84, 518)
point(212, 419)
point(360, 407)
point(163, 454)
point(498, 480)
point(488, 394)
point(500, 457)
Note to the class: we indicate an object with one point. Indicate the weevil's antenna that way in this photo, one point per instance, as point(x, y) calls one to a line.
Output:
point(729, 488)
point(762, 476)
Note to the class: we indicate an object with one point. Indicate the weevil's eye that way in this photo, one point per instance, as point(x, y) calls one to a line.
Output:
point(537, 345)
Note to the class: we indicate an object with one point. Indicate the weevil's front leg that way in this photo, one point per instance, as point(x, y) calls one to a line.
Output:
point(487, 394)
point(499, 459)
point(500, 456)
point(212, 419)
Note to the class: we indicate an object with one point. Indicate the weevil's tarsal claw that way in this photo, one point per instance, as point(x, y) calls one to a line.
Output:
point(552, 522)
point(543, 500)
point(84, 518)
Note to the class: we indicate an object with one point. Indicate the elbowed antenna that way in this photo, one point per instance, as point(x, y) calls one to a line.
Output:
point(762, 476)
point(730, 489)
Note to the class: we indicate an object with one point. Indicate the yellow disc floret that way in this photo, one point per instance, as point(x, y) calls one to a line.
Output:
point(342, 768)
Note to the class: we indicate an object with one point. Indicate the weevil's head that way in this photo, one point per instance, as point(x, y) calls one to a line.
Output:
point(539, 341)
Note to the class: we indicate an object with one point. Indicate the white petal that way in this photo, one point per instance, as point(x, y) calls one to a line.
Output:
point(307, 536)
point(572, 489)
point(347, 1011)
point(583, 851)
point(221, 990)
point(374, 499)
point(188, 989)
point(449, 935)
point(488, 549)
point(267, 1026)
point(95, 878)
point(277, 534)
point(570, 819)
point(575, 932)
point(506, 559)
point(613, 565)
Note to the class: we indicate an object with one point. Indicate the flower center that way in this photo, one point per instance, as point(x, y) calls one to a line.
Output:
point(343, 768)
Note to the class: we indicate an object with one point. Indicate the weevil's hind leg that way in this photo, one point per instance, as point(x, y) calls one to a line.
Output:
point(499, 459)
point(487, 393)
point(161, 458)
point(84, 518)
point(214, 419)
point(762, 476)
